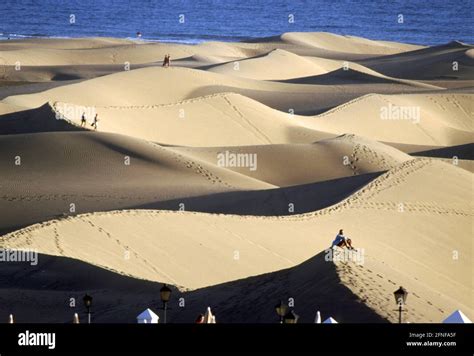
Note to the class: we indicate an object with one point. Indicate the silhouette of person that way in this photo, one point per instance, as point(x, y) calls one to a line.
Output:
point(95, 122)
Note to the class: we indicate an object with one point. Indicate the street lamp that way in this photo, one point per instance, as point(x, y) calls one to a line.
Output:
point(165, 294)
point(400, 298)
point(281, 310)
point(88, 303)
point(291, 317)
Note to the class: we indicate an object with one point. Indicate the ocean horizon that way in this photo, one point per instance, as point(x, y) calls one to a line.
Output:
point(417, 22)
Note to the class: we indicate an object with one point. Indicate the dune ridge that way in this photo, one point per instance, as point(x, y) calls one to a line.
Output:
point(187, 122)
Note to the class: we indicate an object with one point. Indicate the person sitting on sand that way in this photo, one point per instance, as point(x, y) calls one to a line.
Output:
point(83, 119)
point(342, 241)
point(95, 122)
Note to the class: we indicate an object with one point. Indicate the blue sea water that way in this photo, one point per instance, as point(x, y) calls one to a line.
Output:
point(424, 22)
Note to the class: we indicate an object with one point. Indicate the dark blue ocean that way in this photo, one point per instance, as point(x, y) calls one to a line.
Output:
point(424, 22)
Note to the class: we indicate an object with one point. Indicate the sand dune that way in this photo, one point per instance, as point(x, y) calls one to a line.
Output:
point(233, 120)
point(410, 119)
point(462, 151)
point(350, 44)
point(115, 53)
point(147, 86)
point(286, 165)
point(146, 83)
point(125, 296)
point(284, 65)
point(276, 65)
point(155, 85)
point(357, 74)
point(217, 119)
point(425, 121)
point(435, 62)
point(147, 200)
point(62, 43)
point(434, 213)
point(16, 120)
point(43, 60)
point(109, 50)
point(41, 179)
point(97, 171)
point(7, 108)
point(460, 156)
point(289, 200)
point(331, 46)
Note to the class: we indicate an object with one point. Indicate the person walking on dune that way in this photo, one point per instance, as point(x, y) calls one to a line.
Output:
point(166, 61)
point(342, 241)
point(83, 119)
point(95, 122)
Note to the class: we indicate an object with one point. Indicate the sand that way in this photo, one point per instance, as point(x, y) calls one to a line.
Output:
point(145, 199)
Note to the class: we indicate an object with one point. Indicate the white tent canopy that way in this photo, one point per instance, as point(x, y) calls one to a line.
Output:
point(330, 320)
point(317, 320)
point(148, 317)
point(209, 318)
point(458, 317)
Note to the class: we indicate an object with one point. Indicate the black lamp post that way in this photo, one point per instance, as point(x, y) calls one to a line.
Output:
point(88, 303)
point(281, 309)
point(400, 298)
point(165, 294)
point(290, 318)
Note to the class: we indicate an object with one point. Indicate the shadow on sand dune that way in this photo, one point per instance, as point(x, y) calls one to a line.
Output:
point(40, 119)
point(340, 77)
point(271, 202)
point(460, 151)
point(43, 293)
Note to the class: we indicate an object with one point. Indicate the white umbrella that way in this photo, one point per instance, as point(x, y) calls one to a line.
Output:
point(208, 317)
point(148, 317)
point(330, 320)
point(458, 317)
point(10, 319)
point(317, 320)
